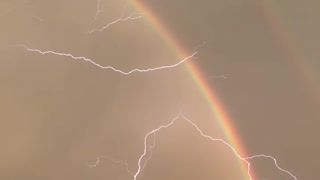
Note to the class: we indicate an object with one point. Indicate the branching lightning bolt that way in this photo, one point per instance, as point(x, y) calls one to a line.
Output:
point(142, 163)
point(147, 150)
point(150, 149)
point(132, 16)
point(111, 159)
point(274, 160)
point(109, 67)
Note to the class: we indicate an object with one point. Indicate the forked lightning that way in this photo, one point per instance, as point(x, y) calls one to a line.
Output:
point(142, 161)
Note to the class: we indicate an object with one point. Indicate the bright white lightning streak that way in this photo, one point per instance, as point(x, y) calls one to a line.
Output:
point(110, 67)
point(245, 159)
point(275, 162)
point(142, 164)
point(150, 149)
point(132, 16)
point(125, 163)
point(115, 161)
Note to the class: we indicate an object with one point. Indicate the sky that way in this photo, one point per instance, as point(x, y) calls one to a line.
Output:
point(64, 117)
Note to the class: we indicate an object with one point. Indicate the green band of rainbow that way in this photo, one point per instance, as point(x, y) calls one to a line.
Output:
point(208, 93)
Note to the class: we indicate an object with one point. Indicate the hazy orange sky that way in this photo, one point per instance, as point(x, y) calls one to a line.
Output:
point(59, 114)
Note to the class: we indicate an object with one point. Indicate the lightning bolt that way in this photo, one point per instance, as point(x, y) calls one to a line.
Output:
point(150, 150)
point(200, 45)
point(108, 67)
point(142, 161)
point(132, 16)
point(147, 150)
point(98, 10)
point(274, 160)
point(113, 160)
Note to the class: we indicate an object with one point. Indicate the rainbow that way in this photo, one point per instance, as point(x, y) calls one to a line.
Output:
point(285, 40)
point(195, 73)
